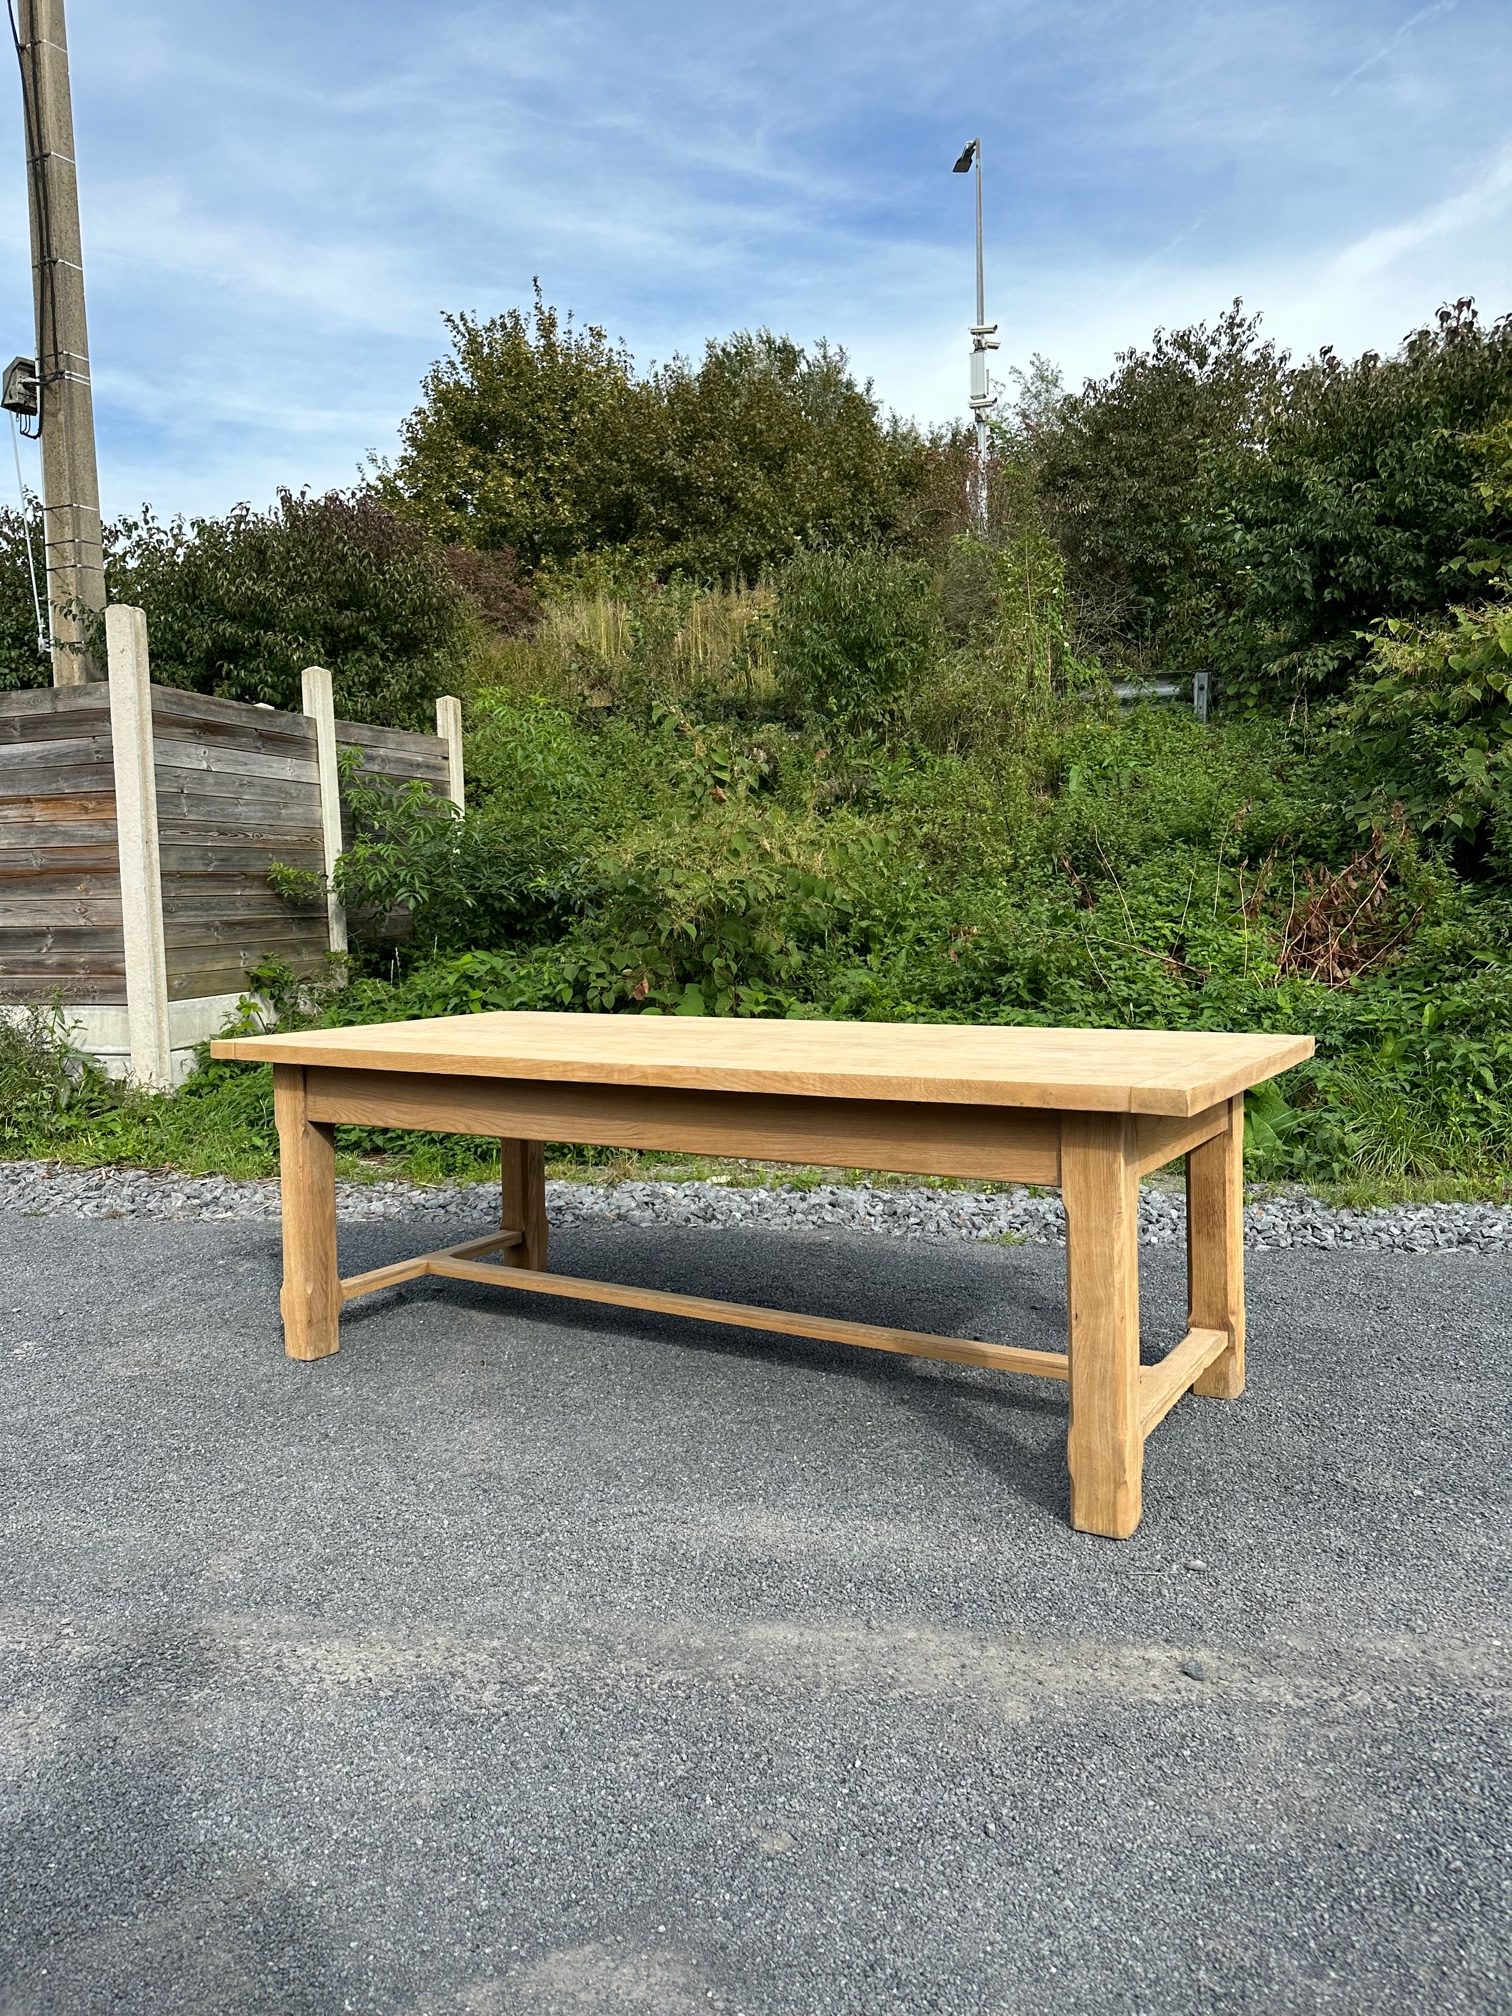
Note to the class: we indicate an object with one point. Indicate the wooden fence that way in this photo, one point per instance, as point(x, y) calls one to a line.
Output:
point(60, 888)
point(138, 826)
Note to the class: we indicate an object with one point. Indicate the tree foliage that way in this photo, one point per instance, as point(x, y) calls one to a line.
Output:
point(761, 449)
point(1118, 467)
point(240, 605)
point(1429, 729)
point(538, 434)
point(1364, 485)
point(523, 438)
point(23, 661)
point(1427, 723)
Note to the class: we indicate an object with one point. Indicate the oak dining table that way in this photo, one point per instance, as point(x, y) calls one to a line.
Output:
point(1087, 1111)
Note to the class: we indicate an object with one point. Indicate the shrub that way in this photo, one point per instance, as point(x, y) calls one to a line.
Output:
point(492, 582)
point(1428, 728)
point(1367, 487)
point(240, 605)
point(852, 633)
point(40, 1074)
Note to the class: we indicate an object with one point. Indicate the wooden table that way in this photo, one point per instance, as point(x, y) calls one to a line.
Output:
point(1089, 1110)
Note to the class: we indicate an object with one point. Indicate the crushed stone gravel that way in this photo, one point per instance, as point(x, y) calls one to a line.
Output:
point(1277, 1219)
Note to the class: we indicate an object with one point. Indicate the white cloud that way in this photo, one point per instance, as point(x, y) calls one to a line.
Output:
point(279, 201)
point(1389, 47)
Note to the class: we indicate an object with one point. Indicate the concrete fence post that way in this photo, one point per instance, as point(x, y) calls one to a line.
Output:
point(449, 728)
point(137, 844)
point(320, 706)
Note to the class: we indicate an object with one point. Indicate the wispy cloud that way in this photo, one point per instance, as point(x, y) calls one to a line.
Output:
point(1477, 214)
point(280, 200)
point(1390, 47)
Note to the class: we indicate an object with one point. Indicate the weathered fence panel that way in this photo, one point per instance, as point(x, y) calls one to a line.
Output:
point(238, 792)
point(399, 753)
point(138, 828)
point(60, 881)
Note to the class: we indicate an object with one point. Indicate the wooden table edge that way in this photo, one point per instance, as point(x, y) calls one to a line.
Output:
point(1151, 1100)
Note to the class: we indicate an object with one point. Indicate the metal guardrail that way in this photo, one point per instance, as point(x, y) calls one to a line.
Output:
point(1199, 686)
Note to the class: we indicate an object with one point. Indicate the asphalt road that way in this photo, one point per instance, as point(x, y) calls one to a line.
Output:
point(532, 1658)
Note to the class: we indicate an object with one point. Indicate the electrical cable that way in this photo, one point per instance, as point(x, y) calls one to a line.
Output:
point(47, 296)
point(44, 640)
point(47, 308)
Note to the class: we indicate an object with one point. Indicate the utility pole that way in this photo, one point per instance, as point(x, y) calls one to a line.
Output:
point(65, 407)
point(983, 339)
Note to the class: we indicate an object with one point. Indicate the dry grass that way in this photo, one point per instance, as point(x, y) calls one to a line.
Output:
point(591, 648)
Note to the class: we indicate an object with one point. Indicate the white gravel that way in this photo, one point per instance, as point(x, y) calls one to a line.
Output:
point(1289, 1218)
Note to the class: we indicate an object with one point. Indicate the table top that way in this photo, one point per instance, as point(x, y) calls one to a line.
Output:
point(1157, 1071)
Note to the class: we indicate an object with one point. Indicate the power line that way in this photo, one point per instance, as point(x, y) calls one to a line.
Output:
point(44, 628)
point(46, 294)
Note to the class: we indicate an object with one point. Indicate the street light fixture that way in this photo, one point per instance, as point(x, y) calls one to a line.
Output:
point(983, 338)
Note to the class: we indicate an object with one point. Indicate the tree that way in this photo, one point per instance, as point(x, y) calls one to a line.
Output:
point(240, 605)
point(1426, 727)
point(1118, 469)
point(539, 435)
point(762, 449)
point(23, 662)
point(521, 439)
point(1366, 492)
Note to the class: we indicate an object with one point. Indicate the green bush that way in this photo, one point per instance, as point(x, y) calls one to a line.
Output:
point(852, 633)
point(1367, 486)
point(542, 799)
point(1428, 729)
point(1121, 869)
point(1127, 870)
point(56, 1102)
point(240, 605)
point(40, 1074)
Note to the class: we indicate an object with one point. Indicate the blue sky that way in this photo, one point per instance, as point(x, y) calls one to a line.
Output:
point(279, 200)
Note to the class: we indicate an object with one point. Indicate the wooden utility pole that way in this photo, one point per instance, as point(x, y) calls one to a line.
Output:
point(70, 479)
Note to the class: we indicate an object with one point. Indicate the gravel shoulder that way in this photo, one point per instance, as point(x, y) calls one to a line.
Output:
point(544, 1660)
point(1272, 1221)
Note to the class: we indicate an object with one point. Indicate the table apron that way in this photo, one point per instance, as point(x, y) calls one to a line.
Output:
point(992, 1143)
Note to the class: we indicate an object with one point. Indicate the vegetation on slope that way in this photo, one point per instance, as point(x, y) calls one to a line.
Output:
point(759, 729)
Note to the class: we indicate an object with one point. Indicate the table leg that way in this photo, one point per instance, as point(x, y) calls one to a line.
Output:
point(311, 1297)
point(522, 1201)
point(1105, 1442)
point(1215, 1251)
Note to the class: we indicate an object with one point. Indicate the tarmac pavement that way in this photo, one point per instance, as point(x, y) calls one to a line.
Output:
point(532, 1657)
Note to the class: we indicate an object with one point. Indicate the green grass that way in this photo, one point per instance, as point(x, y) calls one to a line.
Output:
point(1367, 1192)
point(220, 1124)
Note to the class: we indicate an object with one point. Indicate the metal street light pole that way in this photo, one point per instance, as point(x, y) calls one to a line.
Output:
point(983, 338)
point(976, 150)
